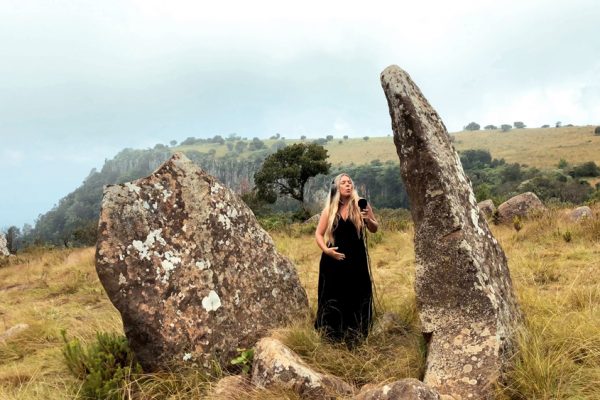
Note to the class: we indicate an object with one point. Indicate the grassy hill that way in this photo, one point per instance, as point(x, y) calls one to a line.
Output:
point(535, 147)
point(557, 282)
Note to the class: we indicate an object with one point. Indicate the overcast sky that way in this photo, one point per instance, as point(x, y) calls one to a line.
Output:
point(81, 80)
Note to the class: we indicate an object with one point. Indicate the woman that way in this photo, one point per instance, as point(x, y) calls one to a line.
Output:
point(345, 307)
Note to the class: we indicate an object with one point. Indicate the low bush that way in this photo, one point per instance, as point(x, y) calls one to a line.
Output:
point(105, 366)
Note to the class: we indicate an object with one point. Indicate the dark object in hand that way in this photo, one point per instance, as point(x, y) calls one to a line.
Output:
point(362, 204)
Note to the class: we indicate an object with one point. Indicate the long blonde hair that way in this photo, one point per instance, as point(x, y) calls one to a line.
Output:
point(332, 205)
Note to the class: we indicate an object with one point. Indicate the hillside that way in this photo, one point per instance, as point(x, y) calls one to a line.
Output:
point(535, 147)
point(557, 280)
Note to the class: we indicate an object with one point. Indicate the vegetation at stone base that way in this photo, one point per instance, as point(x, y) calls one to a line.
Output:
point(557, 283)
point(105, 366)
point(244, 360)
point(287, 171)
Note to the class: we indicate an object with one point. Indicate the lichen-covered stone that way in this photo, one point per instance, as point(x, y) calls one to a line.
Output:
point(521, 206)
point(580, 213)
point(190, 270)
point(464, 292)
point(3, 245)
point(487, 207)
point(275, 364)
point(405, 389)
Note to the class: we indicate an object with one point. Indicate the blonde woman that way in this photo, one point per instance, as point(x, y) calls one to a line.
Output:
point(345, 299)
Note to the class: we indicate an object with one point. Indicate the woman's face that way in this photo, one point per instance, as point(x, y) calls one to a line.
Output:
point(345, 186)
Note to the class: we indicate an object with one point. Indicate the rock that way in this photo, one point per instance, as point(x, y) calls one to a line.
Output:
point(390, 323)
point(230, 387)
point(465, 299)
point(313, 220)
point(3, 245)
point(521, 205)
point(487, 207)
point(13, 331)
point(580, 214)
point(405, 389)
point(189, 268)
point(276, 365)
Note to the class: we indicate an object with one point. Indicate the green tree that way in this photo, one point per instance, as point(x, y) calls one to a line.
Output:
point(519, 125)
point(490, 127)
point(472, 126)
point(287, 171)
point(505, 127)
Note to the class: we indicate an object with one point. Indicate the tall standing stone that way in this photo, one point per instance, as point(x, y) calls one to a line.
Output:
point(464, 292)
point(192, 273)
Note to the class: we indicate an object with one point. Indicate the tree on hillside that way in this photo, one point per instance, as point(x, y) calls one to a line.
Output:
point(545, 126)
point(519, 125)
point(287, 171)
point(505, 127)
point(472, 126)
point(329, 137)
point(13, 235)
point(558, 124)
point(345, 137)
point(173, 142)
point(490, 127)
point(365, 138)
point(303, 137)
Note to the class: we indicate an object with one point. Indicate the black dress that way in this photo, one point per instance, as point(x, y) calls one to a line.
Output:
point(344, 310)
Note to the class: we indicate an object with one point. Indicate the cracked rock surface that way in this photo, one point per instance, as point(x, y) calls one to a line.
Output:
point(189, 268)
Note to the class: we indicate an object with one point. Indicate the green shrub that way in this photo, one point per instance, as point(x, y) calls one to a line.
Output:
point(105, 366)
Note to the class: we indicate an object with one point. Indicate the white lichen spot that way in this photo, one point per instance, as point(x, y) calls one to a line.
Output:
point(146, 205)
point(386, 390)
point(203, 264)
point(434, 193)
point(223, 219)
point(475, 221)
point(211, 302)
point(184, 228)
point(122, 279)
point(275, 292)
point(187, 356)
point(132, 187)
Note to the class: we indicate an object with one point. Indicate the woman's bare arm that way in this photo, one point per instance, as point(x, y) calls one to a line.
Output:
point(369, 218)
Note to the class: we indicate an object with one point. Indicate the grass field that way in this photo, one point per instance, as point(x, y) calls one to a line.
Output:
point(557, 282)
point(535, 147)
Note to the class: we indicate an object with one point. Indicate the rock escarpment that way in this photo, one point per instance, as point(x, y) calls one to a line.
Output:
point(464, 292)
point(192, 273)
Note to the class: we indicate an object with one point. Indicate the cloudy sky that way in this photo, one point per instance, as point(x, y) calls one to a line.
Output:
point(81, 80)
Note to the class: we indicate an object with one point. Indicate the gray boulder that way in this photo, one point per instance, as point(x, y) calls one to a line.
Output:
point(275, 365)
point(192, 273)
point(521, 206)
point(405, 389)
point(466, 304)
point(487, 207)
point(580, 214)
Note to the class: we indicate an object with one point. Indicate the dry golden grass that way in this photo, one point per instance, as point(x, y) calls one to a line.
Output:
point(557, 283)
point(537, 147)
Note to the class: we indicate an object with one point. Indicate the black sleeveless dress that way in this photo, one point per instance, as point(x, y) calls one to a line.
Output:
point(345, 304)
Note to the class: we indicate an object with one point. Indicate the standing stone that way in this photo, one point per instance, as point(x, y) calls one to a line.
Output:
point(520, 205)
point(190, 270)
point(464, 292)
point(3, 245)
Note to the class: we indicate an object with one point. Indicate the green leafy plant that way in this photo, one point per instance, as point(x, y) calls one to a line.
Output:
point(244, 359)
point(517, 223)
point(105, 365)
point(567, 236)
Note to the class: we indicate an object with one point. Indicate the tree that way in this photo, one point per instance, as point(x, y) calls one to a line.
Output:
point(345, 137)
point(597, 130)
point(490, 127)
point(173, 142)
point(303, 137)
point(365, 138)
point(505, 127)
point(472, 126)
point(558, 124)
point(287, 171)
point(519, 125)
point(329, 137)
point(545, 126)
point(13, 235)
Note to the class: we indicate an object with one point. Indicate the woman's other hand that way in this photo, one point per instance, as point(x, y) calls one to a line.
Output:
point(331, 252)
